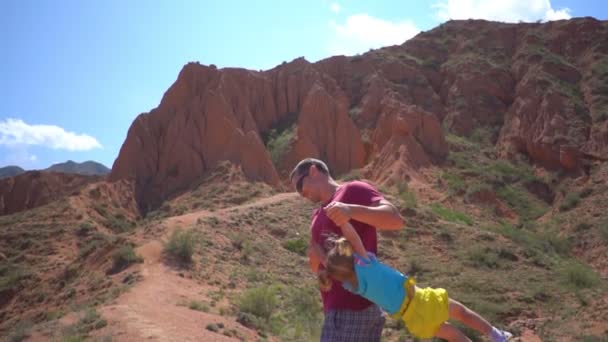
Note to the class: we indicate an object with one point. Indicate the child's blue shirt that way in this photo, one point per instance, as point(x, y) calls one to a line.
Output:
point(379, 283)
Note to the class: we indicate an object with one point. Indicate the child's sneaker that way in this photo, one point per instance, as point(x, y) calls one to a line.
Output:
point(500, 335)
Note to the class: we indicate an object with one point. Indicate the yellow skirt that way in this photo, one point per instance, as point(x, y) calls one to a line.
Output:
point(426, 313)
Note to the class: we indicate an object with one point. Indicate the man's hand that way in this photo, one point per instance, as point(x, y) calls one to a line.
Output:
point(338, 212)
point(316, 256)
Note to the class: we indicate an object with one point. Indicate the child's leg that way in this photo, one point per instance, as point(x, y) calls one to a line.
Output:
point(451, 333)
point(469, 317)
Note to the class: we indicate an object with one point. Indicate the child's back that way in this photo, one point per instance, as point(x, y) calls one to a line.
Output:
point(379, 283)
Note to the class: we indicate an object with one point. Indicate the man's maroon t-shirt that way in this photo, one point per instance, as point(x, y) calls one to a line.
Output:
point(322, 228)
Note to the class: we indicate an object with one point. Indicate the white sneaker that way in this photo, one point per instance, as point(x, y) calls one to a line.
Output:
point(500, 335)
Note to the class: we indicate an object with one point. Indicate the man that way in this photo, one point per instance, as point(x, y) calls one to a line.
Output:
point(348, 317)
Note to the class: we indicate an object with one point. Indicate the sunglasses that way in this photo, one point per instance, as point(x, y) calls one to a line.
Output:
point(300, 181)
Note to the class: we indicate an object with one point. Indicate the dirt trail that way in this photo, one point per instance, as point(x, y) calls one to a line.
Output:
point(149, 311)
point(190, 218)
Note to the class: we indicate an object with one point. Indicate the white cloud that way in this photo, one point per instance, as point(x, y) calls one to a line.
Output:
point(33, 158)
point(362, 32)
point(552, 14)
point(505, 11)
point(16, 132)
point(335, 8)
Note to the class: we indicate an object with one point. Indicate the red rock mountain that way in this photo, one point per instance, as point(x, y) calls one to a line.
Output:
point(539, 89)
point(35, 188)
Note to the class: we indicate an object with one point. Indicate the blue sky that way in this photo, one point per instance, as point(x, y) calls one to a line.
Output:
point(74, 74)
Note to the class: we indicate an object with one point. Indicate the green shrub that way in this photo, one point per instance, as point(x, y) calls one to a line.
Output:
point(119, 224)
point(198, 306)
point(95, 193)
point(537, 245)
point(85, 228)
point(522, 202)
point(604, 231)
point(482, 135)
point(451, 215)
point(53, 315)
point(181, 246)
point(100, 209)
point(570, 201)
point(166, 207)
point(11, 276)
point(70, 272)
point(298, 246)
point(504, 172)
point(455, 183)
point(89, 322)
point(299, 317)
point(407, 196)
point(212, 327)
point(20, 332)
point(586, 192)
point(552, 242)
point(92, 245)
point(483, 257)
point(446, 236)
point(125, 256)
point(501, 171)
point(579, 276)
point(582, 226)
point(260, 302)
point(591, 338)
point(476, 188)
point(278, 143)
point(461, 160)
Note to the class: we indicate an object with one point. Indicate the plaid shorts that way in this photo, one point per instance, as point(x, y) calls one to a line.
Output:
point(353, 326)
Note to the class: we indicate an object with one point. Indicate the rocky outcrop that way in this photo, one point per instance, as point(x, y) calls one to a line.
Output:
point(557, 115)
point(35, 188)
point(536, 88)
point(206, 117)
point(210, 116)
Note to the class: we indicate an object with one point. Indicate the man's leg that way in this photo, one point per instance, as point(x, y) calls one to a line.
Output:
point(353, 326)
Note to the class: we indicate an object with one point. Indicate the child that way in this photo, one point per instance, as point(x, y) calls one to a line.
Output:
point(424, 311)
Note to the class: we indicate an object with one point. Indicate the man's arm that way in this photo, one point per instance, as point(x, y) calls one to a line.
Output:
point(316, 256)
point(382, 214)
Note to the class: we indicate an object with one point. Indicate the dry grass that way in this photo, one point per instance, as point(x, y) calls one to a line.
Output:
point(508, 271)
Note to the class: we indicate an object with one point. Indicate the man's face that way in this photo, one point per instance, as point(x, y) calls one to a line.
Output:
point(304, 185)
point(299, 184)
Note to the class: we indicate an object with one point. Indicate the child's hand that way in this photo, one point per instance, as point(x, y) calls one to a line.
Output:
point(351, 235)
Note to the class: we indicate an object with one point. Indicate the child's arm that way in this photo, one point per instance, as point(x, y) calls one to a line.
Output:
point(349, 232)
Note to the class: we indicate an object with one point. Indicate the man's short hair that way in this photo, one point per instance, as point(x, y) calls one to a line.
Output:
point(305, 164)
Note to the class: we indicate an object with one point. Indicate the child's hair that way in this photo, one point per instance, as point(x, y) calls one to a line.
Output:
point(339, 263)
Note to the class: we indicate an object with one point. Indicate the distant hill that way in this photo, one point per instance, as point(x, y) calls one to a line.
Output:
point(10, 171)
point(86, 168)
